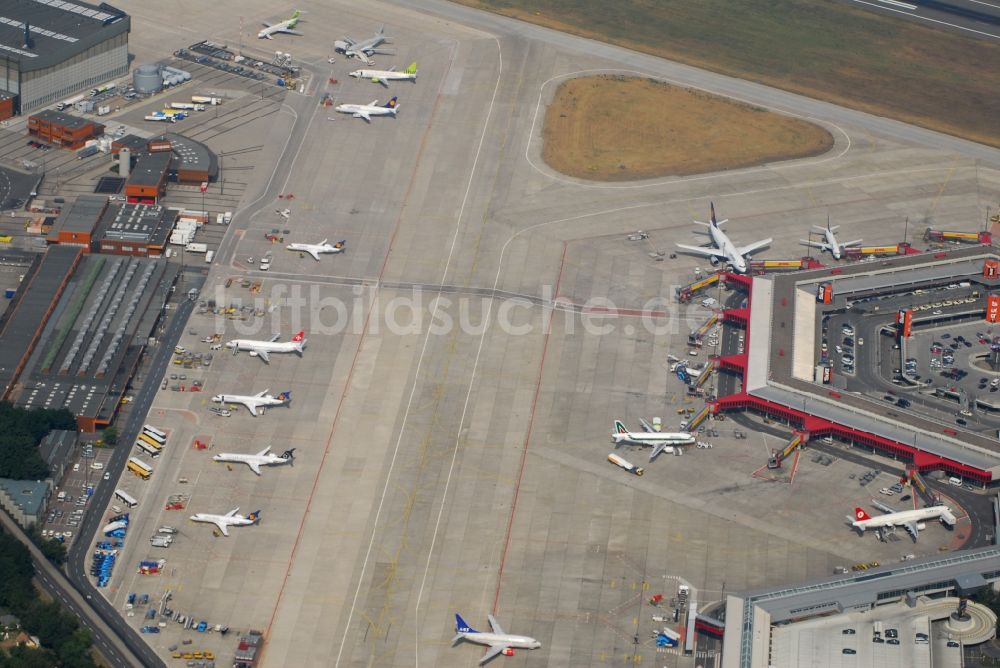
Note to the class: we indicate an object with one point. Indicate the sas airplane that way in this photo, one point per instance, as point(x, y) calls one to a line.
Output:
point(283, 27)
point(908, 519)
point(385, 76)
point(230, 519)
point(255, 402)
point(263, 349)
point(366, 111)
point(499, 641)
point(830, 243)
point(364, 49)
point(316, 249)
point(722, 248)
point(659, 441)
point(262, 458)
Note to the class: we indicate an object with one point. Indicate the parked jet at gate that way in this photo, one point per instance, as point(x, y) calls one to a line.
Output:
point(230, 519)
point(366, 111)
point(724, 249)
point(829, 242)
point(659, 441)
point(364, 49)
point(283, 27)
point(321, 247)
point(908, 519)
point(255, 402)
point(385, 76)
point(263, 349)
point(499, 641)
point(262, 458)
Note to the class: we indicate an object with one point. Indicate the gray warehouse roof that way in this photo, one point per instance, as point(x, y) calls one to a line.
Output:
point(28, 495)
point(150, 168)
point(81, 216)
point(190, 154)
point(59, 118)
point(139, 223)
point(57, 446)
point(57, 29)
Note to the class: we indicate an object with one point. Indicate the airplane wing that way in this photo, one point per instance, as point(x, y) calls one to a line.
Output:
point(911, 528)
point(222, 527)
point(851, 244)
point(363, 57)
point(657, 449)
point(275, 338)
point(252, 407)
point(292, 32)
point(364, 115)
point(264, 451)
point(264, 355)
point(254, 466)
point(755, 245)
point(381, 80)
point(701, 250)
point(312, 251)
point(815, 244)
point(492, 653)
point(646, 426)
point(495, 625)
point(232, 512)
point(884, 508)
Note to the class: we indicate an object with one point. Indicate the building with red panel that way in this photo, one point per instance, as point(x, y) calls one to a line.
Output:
point(783, 370)
point(59, 129)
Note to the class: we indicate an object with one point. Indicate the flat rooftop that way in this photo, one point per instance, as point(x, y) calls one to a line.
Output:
point(58, 29)
point(149, 169)
point(81, 216)
point(63, 119)
point(149, 225)
point(783, 324)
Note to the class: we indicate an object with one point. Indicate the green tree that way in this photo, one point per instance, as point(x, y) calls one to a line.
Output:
point(21, 430)
point(111, 435)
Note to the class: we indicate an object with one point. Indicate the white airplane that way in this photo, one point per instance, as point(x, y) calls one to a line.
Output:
point(262, 458)
point(659, 441)
point(263, 349)
point(499, 641)
point(284, 213)
point(254, 402)
point(230, 519)
point(908, 519)
point(321, 247)
point(282, 27)
point(829, 242)
point(724, 249)
point(364, 49)
point(385, 76)
point(366, 111)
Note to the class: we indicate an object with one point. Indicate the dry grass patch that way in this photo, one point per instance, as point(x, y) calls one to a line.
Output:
point(614, 128)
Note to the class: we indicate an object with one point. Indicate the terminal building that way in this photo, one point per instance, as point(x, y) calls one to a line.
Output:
point(914, 609)
point(75, 332)
point(780, 372)
point(98, 225)
point(51, 49)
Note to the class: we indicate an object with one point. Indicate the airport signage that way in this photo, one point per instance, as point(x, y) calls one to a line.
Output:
point(991, 268)
point(904, 321)
point(827, 375)
point(824, 293)
point(992, 308)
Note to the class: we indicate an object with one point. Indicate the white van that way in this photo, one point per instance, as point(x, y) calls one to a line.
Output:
point(957, 482)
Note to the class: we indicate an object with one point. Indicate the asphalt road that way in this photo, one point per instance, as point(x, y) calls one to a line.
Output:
point(969, 17)
point(78, 565)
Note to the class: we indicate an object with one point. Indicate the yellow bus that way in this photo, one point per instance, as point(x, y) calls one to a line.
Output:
point(140, 468)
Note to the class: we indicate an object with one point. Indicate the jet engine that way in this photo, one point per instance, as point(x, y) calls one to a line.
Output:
point(508, 652)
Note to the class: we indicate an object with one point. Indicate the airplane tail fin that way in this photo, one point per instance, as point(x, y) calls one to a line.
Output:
point(391, 104)
point(861, 515)
point(289, 454)
point(619, 428)
point(299, 337)
point(341, 244)
point(286, 395)
point(412, 69)
point(711, 207)
point(254, 516)
point(461, 626)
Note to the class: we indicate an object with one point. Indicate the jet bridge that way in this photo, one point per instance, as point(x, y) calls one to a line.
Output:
point(698, 418)
point(777, 457)
point(695, 337)
point(685, 293)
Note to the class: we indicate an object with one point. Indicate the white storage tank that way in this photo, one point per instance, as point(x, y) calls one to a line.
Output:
point(147, 80)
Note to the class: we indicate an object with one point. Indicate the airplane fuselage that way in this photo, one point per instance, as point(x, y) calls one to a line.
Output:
point(384, 75)
point(506, 639)
point(905, 516)
point(264, 346)
point(259, 460)
point(831, 242)
point(652, 438)
point(722, 242)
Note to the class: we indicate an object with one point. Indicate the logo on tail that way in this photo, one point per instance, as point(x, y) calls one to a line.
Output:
point(298, 337)
point(285, 396)
point(254, 516)
point(861, 515)
point(391, 104)
point(288, 454)
point(461, 626)
point(620, 427)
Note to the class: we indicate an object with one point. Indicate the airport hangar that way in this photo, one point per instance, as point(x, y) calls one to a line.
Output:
point(51, 49)
point(782, 318)
point(757, 620)
point(73, 335)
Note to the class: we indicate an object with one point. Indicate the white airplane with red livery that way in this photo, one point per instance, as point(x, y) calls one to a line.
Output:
point(499, 641)
point(910, 520)
point(263, 349)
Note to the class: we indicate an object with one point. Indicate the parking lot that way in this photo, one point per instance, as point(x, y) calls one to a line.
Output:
point(70, 500)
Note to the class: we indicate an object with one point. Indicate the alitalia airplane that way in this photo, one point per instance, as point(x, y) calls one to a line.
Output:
point(908, 519)
point(366, 111)
point(254, 402)
point(660, 441)
point(263, 349)
point(499, 641)
point(316, 249)
point(385, 76)
point(262, 458)
point(283, 27)
point(230, 519)
point(722, 248)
